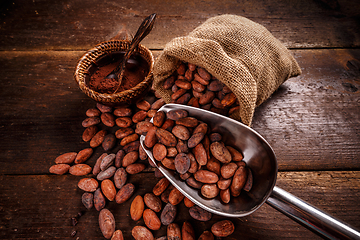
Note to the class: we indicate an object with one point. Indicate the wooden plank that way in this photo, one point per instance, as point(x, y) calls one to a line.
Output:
point(41, 207)
point(80, 24)
point(311, 121)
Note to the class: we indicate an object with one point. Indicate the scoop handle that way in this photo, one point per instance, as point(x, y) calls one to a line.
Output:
point(310, 216)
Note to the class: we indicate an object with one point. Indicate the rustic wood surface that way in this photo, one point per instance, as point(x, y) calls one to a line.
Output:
point(312, 121)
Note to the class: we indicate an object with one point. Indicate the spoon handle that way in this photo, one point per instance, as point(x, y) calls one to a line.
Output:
point(144, 29)
point(310, 216)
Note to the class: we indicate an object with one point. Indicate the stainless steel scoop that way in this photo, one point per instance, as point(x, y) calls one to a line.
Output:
point(260, 157)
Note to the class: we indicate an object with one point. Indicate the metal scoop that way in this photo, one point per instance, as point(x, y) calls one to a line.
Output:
point(260, 158)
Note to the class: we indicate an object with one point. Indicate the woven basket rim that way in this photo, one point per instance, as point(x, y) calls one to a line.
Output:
point(102, 49)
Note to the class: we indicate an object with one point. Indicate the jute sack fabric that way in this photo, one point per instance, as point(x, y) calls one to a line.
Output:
point(242, 54)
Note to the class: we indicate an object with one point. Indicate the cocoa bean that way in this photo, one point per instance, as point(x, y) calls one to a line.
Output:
point(160, 186)
point(88, 184)
point(224, 183)
point(169, 82)
point(216, 137)
point(143, 105)
point(66, 158)
point(165, 137)
point(129, 139)
point(107, 161)
point(249, 181)
point(181, 132)
point(159, 151)
point(229, 99)
point(123, 122)
point(198, 87)
point(158, 104)
point(192, 182)
point(142, 154)
point(193, 163)
point(201, 80)
point(206, 176)
point(182, 163)
point(206, 98)
point(131, 147)
point(182, 146)
point(215, 86)
point(118, 235)
point(153, 202)
point(200, 154)
point(87, 200)
point(150, 138)
point(135, 168)
point(213, 165)
point(168, 214)
point(184, 99)
point(93, 112)
point(176, 114)
point(159, 118)
point(107, 119)
point(123, 112)
point(169, 163)
point(151, 220)
point(181, 69)
point(83, 155)
point(80, 169)
point(228, 170)
point(120, 178)
point(123, 132)
point(210, 190)
point(119, 158)
point(125, 193)
point(99, 200)
point(225, 195)
point(141, 233)
point(220, 152)
point(98, 139)
point(139, 116)
point(108, 189)
point(130, 158)
point(195, 139)
point(187, 231)
point(168, 125)
point(90, 121)
point(187, 122)
point(171, 152)
point(137, 208)
point(188, 203)
point(108, 173)
point(89, 133)
point(96, 169)
point(143, 127)
point(173, 232)
point(175, 197)
point(238, 182)
point(204, 74)
point(223, 228)
point(59, 169)
point(206, 235)
point(103, 108)
point(106, 223)
point(199, 214)
point(235, 154)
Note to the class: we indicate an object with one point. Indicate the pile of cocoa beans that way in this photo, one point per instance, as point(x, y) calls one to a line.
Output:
point(186, 145)
point(116, 132)
point(195, 86)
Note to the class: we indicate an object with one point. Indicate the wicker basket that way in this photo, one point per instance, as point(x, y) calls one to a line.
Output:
point(121, 98)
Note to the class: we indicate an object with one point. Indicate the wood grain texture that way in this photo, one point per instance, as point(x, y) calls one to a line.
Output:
point(311, 121)
point(80, 24)
point(41, 207)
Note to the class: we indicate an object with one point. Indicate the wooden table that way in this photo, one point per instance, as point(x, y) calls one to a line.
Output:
point(312, 121)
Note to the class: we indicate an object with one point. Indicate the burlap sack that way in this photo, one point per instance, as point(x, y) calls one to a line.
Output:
point(242, 54)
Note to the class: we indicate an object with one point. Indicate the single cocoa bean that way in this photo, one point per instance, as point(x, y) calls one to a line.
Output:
point(235, 154)
point(204, 74)
point(210, 190)
point(123, 132)
point(108, 189)
point(187, 122)
point(216, 137)
point(206, 98)
point(206, 235)
point(66, 158)
point(153, 202)
point(238, 182)
point(80, 169)
point(125, 193)
point(143, 105)
point(139, 116)
point(224, 183)
point(159, 118)
point(120, 178)
point(168, 125)
point(200, 154)
point(182, 163)
point(103, 108)
point(151, 220)
point(131, 147)
point(93, 112)
point(99, 200)
point(168, 214)
point(89, 133)
point(199, 214)
point(87, 200)
point(107, 161)
point(90, 121)
point(165, 137)
point(108, 173)
point(206, 176)
point(176, 114)
point(130, 158)
point(150, 138)
point(171, 152)
point(188, 203)
point(187, 231)
point(83, 155)
point(158, 104)
point(135, 168)
point(119, 158)
point(106, 223)
point(220, 152)
point(98, 138)
point(169, 163)
point(182, 146)
point(225, 195)
point(173, 232)
point(142, 233)
point(160, 186)
point(192, 182)
point(249, 181)
point(118, 235)
point(129, 139)
point(123, 112)
point(108, 119)
point(137, 208)
point(228, 170)
point(175, 197)
point(96, 169)
point(223, 228)
point(59, 169)
point(123, 122)
point(88, 184)
point(181, 132)
point(213, 165)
